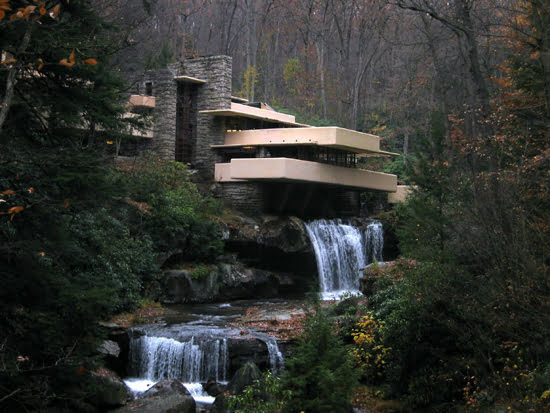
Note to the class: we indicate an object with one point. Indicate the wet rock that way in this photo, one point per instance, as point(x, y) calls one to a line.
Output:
point(173, 403)
point(244, 377)
point(213, 388)
point(109, 348)
point(247, 349)
point(288, 234)
point(165, 387)
point(221, 282)
point(177, 286)
point(167, 396)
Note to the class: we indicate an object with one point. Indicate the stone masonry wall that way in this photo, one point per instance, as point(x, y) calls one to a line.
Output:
point(246, 197)
point(214, 94)
point(164, 114)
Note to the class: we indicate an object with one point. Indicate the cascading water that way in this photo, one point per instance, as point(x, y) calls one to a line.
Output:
point(197, 360)
point(341, 250)
point(276, 360)
point(190, 353)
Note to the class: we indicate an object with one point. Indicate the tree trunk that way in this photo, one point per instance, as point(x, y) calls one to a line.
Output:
point(12, 79)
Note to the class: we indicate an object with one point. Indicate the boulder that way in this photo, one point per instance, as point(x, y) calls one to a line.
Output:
point(176, 286)
point(246, 349)
point(244, 377)
point(109, 390)
point(213, 388)
point(165, 387)
point(109, 348)
point(288, 234)
point(371, 273)
point(221, 404)
point(167, 396)
point(223, 282)
point(172, 403)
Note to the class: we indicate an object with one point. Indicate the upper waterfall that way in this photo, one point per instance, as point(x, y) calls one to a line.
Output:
point(342, 250)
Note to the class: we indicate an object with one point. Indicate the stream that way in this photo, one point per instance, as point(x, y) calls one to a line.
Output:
point(196, 344)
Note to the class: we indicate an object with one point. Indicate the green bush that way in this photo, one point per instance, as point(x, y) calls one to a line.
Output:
point(200, 272)
point(266, 395)
point(177, 218)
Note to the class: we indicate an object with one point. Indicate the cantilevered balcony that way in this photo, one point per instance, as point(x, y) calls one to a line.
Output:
point(244, 111)
point(141, 101)
point(330, 137)
point(294, 170)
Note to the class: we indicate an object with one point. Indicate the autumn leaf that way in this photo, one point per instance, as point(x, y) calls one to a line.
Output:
point(55, 12)
point(31, 190)
point(66, 204)
point(3, 7)
point(41, 65)
point(70, 62)
point(26, 11)
point(8, 192)
point(9, 61)
point(15, 210)
point(90, 61)
point(16, 16)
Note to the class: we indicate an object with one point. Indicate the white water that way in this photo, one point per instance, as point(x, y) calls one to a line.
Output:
point(341, 251)
point(276, 360)
point(195, 389)
point(196, 360)
point(200, 358)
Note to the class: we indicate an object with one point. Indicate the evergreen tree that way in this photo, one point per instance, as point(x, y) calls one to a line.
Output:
point(319, 373)
point(66, 261)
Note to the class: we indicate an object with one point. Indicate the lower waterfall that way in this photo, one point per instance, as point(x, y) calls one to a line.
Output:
point(192, 354)
point(197, 360)
point(342, 250)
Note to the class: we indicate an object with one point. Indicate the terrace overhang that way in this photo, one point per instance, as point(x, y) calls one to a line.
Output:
point(331, 137)
point(244, 111)
point(144, 101)
point(294, 170)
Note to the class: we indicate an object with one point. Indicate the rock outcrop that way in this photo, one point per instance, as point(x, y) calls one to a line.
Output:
point(221, 283)
point(265, 257)
point(167, 396)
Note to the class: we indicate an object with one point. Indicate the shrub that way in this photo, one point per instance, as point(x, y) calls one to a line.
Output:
point(266, 395)
point(369, 352)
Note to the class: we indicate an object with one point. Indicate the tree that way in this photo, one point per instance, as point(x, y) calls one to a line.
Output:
point(66, 260)
point(319, 372)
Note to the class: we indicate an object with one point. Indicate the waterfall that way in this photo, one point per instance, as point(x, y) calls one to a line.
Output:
point(197, 360)
point(342, 250)
point(276, 360)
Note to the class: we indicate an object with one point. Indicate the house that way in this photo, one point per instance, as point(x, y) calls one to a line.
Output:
point(259, 159)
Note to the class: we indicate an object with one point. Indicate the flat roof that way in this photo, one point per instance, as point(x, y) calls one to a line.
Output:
point(189, 79)
point(244, 111)
point(238, 99)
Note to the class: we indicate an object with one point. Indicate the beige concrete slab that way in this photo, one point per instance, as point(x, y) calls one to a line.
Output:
point(142, 101)
point(240, 110)
point(238, 99)
point(286, 169)
point(330, 136)
point(189, 79)
point(222, 173)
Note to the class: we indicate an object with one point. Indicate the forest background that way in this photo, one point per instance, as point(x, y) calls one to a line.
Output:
point(460, 88)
